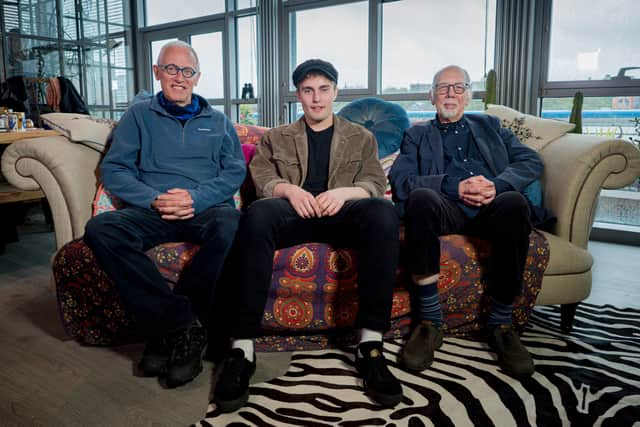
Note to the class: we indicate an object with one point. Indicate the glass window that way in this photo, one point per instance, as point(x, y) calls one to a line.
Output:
point(209, 50)
point(243, 4)
point(31, 18)
point(69, 23)
point(596, 42)
point(248, 114)
point(163, 11)
point(247, 54)
point(613, 117)
point(338, 34)
point(419, 37)
point(92, 44)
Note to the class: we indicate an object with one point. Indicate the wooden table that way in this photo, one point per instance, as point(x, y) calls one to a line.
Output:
point(7, 138)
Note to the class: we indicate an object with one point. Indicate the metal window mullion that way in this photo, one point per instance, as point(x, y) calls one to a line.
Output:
point(375, 47)
point(229, 62)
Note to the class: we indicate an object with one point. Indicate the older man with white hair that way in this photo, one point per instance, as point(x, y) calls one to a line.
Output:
point(176, 163)
point(464, 173)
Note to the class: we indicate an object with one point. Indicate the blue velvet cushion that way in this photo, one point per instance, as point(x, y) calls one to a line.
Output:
point(386, 120)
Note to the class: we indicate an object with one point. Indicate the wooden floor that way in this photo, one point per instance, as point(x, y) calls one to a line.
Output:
point(46, 379)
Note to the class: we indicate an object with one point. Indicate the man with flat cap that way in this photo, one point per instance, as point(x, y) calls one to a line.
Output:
point(317, 180)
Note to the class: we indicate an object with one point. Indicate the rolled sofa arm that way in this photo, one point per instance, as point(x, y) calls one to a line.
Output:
point(577, 167)
point(66, 173)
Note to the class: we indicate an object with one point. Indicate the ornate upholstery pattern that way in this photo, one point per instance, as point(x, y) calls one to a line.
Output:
point(313, 291)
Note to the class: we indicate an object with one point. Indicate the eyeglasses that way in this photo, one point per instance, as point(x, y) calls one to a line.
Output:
point(458, 88)
point(173, 69)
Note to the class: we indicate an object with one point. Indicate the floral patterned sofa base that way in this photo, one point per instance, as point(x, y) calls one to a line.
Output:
point(313, 298)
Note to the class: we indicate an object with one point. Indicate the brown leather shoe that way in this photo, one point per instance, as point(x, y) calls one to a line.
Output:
point(417, 354)
point(513, 357)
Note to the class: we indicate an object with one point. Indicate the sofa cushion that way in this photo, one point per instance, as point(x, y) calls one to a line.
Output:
point(314, 287)
point(386, 120)
point(566, 258)
point(533, 131)
point(82, 129)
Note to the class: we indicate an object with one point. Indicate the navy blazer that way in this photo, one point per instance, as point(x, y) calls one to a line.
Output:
point(420, 163)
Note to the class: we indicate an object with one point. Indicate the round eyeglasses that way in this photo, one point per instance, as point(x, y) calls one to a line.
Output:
point(173, 69)
point(458, 88)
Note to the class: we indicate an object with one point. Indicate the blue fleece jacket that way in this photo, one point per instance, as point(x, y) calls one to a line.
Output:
point(152, 152)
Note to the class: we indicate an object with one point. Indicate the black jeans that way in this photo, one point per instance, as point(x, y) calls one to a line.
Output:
point(368, 225)
point(504, 222)
point(119, 240)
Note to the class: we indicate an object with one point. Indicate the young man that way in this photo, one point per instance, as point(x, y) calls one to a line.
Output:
point(464, 173)
point(176, 163)
point(318, 180)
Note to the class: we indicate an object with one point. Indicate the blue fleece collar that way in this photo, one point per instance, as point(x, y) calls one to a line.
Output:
point(180, 113)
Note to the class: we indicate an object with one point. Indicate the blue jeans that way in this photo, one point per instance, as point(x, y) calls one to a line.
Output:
point(119, 240)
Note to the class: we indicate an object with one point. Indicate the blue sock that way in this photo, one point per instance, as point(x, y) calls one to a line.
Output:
point(500, 314)
point(430, 303)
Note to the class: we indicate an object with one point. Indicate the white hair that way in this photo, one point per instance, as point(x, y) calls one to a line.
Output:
point(181, 44)
point(467, 79)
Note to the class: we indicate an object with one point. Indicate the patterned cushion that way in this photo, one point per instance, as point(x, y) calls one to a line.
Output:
point(386, 163)
point(533, 131)
point(386, 120)
point(313, 292)
point(82, 129)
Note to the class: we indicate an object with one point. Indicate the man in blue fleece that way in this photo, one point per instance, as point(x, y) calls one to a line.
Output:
point(463, 173)
point(176, 163)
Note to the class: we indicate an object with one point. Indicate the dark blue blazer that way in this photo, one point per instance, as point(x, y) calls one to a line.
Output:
point(420, 163)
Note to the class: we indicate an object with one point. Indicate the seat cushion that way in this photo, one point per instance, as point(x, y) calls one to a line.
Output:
point(565, 257)
point(313, 294)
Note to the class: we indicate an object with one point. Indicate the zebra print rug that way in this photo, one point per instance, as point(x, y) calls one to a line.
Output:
point(589, 378)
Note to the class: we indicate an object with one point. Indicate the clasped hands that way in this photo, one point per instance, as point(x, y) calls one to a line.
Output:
point(476, 191)
point(175, 204)
point(324, 204)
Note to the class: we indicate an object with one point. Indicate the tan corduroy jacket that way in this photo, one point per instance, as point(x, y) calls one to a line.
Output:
point(282, 157)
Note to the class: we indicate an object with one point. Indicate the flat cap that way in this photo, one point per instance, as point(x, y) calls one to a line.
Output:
point(317, 66)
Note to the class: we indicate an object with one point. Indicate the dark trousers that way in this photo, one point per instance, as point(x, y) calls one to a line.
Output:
point(119, 240)
point(504, 222)
point(368, 225)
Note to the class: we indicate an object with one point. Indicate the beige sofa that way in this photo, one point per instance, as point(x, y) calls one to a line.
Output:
point(576, 168)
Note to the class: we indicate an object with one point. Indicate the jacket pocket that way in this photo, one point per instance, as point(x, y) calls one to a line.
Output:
point(205, 145)
point(289, 169)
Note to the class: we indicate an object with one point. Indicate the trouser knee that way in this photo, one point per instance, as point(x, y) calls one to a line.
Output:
point(380, 218)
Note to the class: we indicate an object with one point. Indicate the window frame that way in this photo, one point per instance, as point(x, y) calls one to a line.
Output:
point(589, 88)
point(287, 97)
point(181, 30)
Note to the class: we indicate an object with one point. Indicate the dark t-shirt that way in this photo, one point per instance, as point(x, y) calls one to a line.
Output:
point(319, 144)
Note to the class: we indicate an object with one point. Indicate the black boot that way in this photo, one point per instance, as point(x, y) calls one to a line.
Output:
point(185, 361)
point(378, 381)
point(155, 357)
point(232, 388)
